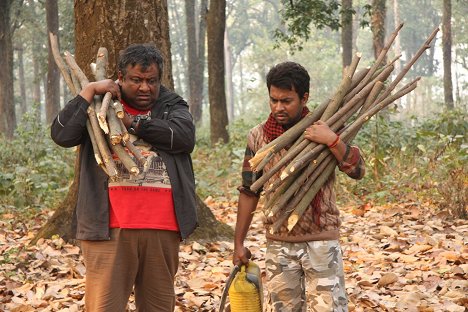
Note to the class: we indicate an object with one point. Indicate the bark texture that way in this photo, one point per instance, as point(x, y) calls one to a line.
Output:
point(378, 26)
point(53, 76)
point(7, 105)
point(447, 53)
point(218, 111)
point(347, 32)
point(196, 56)
point(116, 24)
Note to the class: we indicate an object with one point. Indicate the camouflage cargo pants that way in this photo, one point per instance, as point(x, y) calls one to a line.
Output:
point(305, 277)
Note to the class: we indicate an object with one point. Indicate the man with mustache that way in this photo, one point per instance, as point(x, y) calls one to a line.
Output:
point(304, 266)
point(130, 227)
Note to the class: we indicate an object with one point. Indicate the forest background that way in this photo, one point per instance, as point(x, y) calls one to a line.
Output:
point(415, 151)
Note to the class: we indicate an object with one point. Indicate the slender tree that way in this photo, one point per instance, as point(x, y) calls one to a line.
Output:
point(21, 78)
point(447, 53)
point(378, 26)
point(53, 75)
point(216, 24)
point(7, 105)
point(196, 56)
point(347, 31)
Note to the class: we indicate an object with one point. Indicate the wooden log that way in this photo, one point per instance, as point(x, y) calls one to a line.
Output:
point(118, 108)
point(298, 183)
point(101, 142)
point(76, 69)
point(126, 160)
point(376, 65)
point(426, 45)
point(136, 152)
point(309, 192)
point(349, 132)
point(115, 129)
point(287, 137)
point(60, 63)
point(97, 155)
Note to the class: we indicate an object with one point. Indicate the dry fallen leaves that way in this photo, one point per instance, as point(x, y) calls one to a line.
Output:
point(396, 258)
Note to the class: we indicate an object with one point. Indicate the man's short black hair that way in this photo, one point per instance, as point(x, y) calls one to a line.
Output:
point(145, 55)
point(289, 76)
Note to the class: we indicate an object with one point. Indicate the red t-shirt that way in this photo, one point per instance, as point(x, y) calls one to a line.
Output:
point(143, 201)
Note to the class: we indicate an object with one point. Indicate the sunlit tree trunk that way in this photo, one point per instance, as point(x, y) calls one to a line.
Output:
point(447, 53)
point(52, 102)
point(378, 26)
point(7, 104)
point(216, 87)
point(347, 31)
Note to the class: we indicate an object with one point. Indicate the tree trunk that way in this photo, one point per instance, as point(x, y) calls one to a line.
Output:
point(447, 53)
point(216, 88)
point(115, 25)
point(22, 81)
point(97, 18)
point(7, 104)
point(397, 46)
point(36, 75)
point(52, 102)
point(180, 44)
point(347, 32)
point(378, 26)
point(228, 63)
point(196, 57)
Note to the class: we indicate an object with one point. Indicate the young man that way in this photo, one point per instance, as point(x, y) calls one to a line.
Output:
point(309, 256)
point(130, 227)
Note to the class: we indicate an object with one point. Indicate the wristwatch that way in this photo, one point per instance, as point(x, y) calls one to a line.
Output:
point(136, 123)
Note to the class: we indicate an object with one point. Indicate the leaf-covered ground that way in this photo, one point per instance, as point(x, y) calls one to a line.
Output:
point(397, 258)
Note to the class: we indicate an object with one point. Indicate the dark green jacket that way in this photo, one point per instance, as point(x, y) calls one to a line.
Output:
point(171, 132)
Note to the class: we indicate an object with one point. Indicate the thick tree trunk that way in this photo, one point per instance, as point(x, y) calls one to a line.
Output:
point(52, 102)
point(94, 19)
point(218, 113)
point(378, 26)
point(447, 53)
point(7, 105)
point(115, 25)
point(347, 31)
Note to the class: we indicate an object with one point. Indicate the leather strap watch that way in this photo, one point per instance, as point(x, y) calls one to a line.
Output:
point(136, 123)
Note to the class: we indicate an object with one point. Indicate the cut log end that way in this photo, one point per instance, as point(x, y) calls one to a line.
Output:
point(292, 220)
point(135, 171)
point(116, 139)
point(258, 158)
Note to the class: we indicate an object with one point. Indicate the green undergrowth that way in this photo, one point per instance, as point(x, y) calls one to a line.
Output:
point(417, 161)
point(35, 171)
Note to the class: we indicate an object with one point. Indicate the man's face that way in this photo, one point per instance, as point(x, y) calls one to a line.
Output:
point(286, 106)
point(140, 88)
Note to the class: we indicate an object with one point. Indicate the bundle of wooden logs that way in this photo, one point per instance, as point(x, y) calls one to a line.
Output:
point(105, 127)
point(306, 166)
